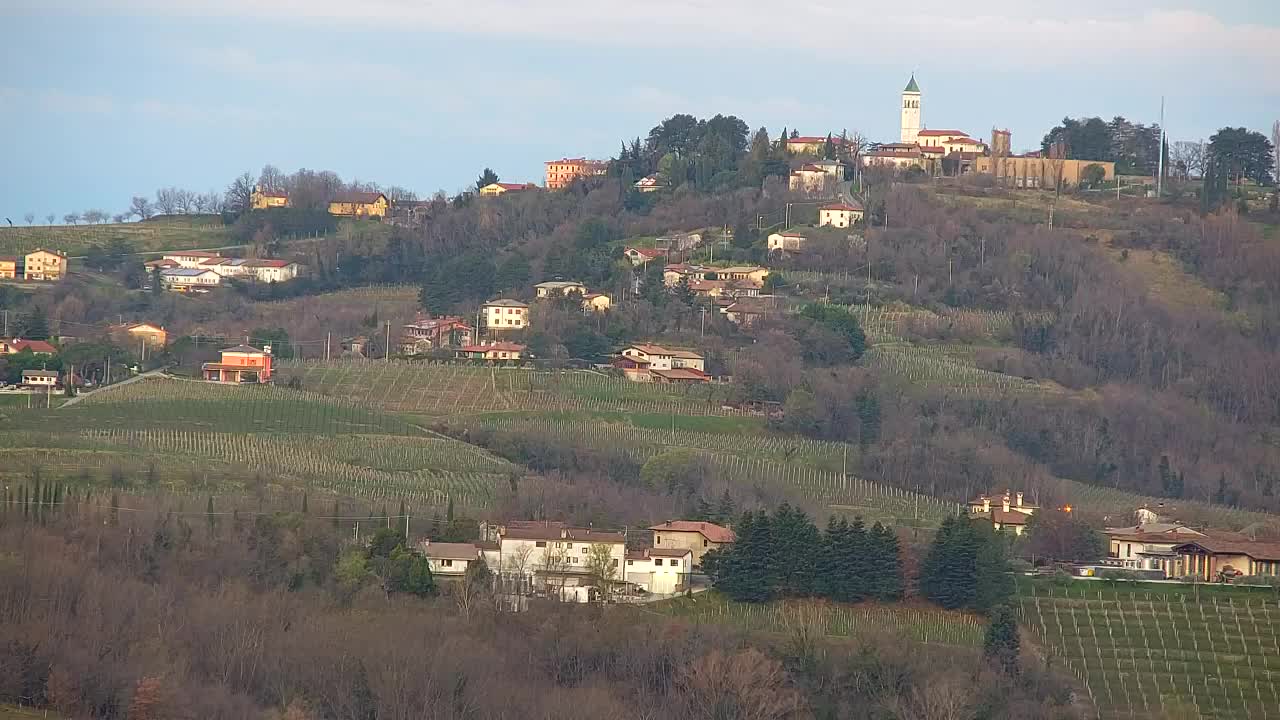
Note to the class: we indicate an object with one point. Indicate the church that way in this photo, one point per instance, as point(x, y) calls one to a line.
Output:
point(924, 148)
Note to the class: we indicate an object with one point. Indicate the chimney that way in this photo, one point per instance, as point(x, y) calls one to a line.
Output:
point(266, 349)
point(1019, 499)
point(986, 504)
point(1005, 502)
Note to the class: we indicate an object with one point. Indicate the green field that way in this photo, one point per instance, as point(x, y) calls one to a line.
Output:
point(1155, 651)
point(161, 233)
point(9, 712)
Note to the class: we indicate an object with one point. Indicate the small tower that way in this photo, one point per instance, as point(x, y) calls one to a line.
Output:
point(911, 111)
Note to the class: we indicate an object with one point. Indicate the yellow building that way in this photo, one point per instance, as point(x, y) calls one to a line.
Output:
point(8, 268)
point(1026, 171)
point(698, 537)
point(596, 302)
point(152, 335)
point(359, 204)
point(44, 265)
point(560, 173)
point(496, 189)
point(263, 199)
point(505, 314)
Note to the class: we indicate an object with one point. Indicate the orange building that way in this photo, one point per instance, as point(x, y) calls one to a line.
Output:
point(240, 364)
point(564, 171)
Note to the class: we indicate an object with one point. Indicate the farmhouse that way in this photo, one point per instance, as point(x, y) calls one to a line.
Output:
point(447, 331)
point(1012, 514)
point(263, 199)
point(44, 265)
point(496, 189)
point(661, 571)
point(505, 314)
point(133, 333)
point(840, 215)
point(596, 302)
point(640, 256)
point(556, 557)
point(188, 258)
point(449, 559)
point(556, 288)
point(745, 311)
point(1149, 545)
point(39, 378)
point(359, 204)
point(240, 364)
point(499, 352)
point(808, 178)
point(645, 362)
point(8, 268)
point(699, 538)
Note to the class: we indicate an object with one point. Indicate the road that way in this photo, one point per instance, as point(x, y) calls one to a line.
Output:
point(134, 379)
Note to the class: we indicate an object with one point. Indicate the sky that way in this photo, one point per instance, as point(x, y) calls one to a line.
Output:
point(101, 100)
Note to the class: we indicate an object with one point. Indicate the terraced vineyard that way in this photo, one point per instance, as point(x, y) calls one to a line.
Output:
point(933, 366)
point(925, 625)
point(442, 389)
point(1154, 655)
point(806, 470)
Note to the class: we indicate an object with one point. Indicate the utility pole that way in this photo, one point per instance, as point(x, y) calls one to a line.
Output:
point(386, 352)
point(328, 340)
point(1160, 172)
point(6, 324)
point(406, 524)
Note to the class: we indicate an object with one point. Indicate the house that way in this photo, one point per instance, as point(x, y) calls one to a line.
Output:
point(492, 353)
point(261, 199)
point(649, 184)
point(188, 258)
point(1149, 545)
point(556, 557)
point(679, 241)
point(153, 335)
point(752, 273)
point(8, 268)
point(948, 140)
point(185, 279)
point(1012, 514)
point(695, 536)
point(661, 571)
point(840, 215)
point(1032, 171)
point(447, 331)
point(661, 358)
point(40, 378)
point(672, 273)
point(560, 173)
point(355, 346)
point(160, 264)
point(786, 242)
point(257, 269)
point(240, 364)
point(497, 188)
point(44, 265)
point(745, 311)
point(449, 559)
point(812, 145)
point(596, 302)
point(13, 346)
point(640, 256)
point(808, 178)
point(505, 314)
point(896, 155)
point(1214, 558)
point(559, 287)
point(359, 204)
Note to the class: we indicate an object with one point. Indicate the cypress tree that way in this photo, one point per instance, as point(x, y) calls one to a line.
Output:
point(449, 510)
point(304, 503)
point(856, 562)
point(114, 517)
point(210, 519)
point(1002, 644)
point(726, 509)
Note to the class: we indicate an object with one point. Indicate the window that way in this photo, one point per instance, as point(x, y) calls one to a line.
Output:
point(614, 562)
point(629, 562)
point(704, 542)
point(657, 562)
point(540, 543)
point(657, 539)
point(446, 563)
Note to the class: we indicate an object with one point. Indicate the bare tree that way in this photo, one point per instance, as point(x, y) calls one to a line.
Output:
point(30, 217)
point(396, 194)
point(1187, 158)
point(271, 178)
point(50, 218)
point(184, 201)
point(141, 207)
point(119, 218)
point(554, 564)
point(603, 569)
point(239, 194)
point(747, 685)
point(167, 201)
point(71, 218)
point(1275, 148)
point(516, 565)
point(93, 217)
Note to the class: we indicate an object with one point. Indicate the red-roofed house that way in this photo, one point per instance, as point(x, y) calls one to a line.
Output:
point(13, 346)
point(841, 215)
point(640, 256)
point(431, 333)
point(695, 536)
point(240, 364)
point(261, 199)
point(786, 242)
point(1010, 515)
point(554, 556)
point(498, 188)
point(359, 204)
point(1213, 558)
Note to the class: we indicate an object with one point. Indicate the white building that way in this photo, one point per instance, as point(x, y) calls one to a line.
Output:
point(555, 557)
point(840, 215)
point(190, 258)
point(789, 241)
point(504, 314)
point(661, 571)
point(661, 358)
point(559, 287)
point(257, 269)
point(911, 107)
point(809, 178)
point(182, 279)
point(449, 559)
point(40, 378)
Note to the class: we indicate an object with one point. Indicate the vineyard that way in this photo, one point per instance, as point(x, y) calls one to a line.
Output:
point(166, 233)
point(925, 625)
point(806, 471)
point(1154, 655)
point(937, 367)
point(446, 389)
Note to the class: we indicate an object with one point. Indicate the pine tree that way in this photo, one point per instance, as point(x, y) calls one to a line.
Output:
point(744, 571)
point(726, 509)
point(830, 580)
point(794, 551)
point(703, 511)
point(856, 562)
point(993, 583)
point(886, 564)
point(448, 515)
point(209, 517)
point(304, 503)
point(1002, 643)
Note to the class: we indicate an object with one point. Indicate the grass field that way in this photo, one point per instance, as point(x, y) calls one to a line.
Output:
point(10, 712)
point(919, 624)
point(161, 233)
point(1150, 653)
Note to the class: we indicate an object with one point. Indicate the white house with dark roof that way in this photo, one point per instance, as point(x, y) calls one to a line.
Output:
point(661, 571)
point(840, 215)
point(449, 559)
point(505, 314)
point(182, 279)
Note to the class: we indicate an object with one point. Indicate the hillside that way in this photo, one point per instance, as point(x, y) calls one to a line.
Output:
point(177, 232)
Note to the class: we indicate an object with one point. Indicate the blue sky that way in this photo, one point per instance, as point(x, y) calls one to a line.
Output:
point(104, 99)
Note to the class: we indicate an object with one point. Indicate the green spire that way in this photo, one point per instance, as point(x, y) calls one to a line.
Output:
point(912, 86)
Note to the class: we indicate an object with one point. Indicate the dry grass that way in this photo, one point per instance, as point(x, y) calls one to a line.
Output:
point(169, 233)
point(1163, 276)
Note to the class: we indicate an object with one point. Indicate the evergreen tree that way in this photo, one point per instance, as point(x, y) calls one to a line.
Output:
point(744, 568)
point(448, 514)
point(726, 508)
point(947, 574)
point(304, 503)
point(795, 551)
point(1002, 643)
point(992, 580)
point(868, 409)
point(885, 581)
point(703, 511)
point(855, 563)
point(209, 516)
point(35, 326)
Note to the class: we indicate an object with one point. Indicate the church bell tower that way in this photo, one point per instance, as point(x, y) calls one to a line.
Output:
point(911, 111)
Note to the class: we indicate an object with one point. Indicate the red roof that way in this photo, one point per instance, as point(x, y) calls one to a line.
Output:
point(650, 253)
point(842, 206)
point(711, 531)
point(35, 346)
point(512, 186)
point(938, 133)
